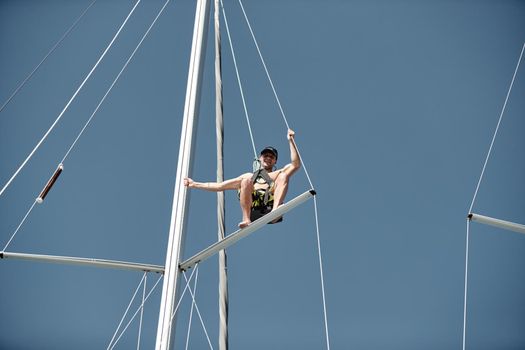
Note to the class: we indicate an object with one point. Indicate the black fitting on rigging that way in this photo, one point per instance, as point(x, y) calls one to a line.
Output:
point(50, 183)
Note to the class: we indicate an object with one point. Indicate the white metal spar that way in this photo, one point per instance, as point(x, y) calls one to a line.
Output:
point(166, 324)
point(239, 234)
point(506, 225)
point(83, 261)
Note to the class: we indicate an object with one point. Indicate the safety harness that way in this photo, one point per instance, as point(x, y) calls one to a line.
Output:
point(261, 173)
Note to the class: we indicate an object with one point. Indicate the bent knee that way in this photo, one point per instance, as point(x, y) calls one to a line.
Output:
point(246, 184)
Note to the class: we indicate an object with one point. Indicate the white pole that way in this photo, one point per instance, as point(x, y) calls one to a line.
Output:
point(507, 225)
point(69, 260)
point(221, 226)
point(166, 324)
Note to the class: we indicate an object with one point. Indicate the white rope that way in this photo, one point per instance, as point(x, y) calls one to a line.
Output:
point(198, 312)
point(191, 311)
point(142, 309)
point(274, 90)
point(70, 100)
point(321, 274)
point(264, 64)
point(496, 131)
point(20, 225)
point(300, 157)
point(136, 312)
point(115, 80)
point(127, 309)
point(99, 104)
point(21, 85)
point(476, 193)
point(304, 165)
point(183, 293)
point(239, 80)
point(466, 285)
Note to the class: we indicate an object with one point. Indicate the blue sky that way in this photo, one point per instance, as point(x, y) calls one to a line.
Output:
point(394, 104)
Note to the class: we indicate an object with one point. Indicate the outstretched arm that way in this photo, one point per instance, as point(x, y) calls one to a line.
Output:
point(231, 184)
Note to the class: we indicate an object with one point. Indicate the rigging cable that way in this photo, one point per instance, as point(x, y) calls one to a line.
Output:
point(239, 81)
point(198, 312)
point(497, 128)
point(96, 110)
point(70, 100)
point(273, 89)
point(183, 293)
point(476, 193)
point(191, 311)
point(21, 85)
point(466, 287)
point(306, 172)
point(142, 309)
point(127, 309)
point(116, 79)
point(20, 225)
point(136, 312)
point(321, 273)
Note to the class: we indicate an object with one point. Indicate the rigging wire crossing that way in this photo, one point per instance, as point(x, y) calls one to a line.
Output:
point(59, 169)
point(127, 310)
point(54, 177)
point(70, 101)
point(135, 314)
point(295, 144)
point(191, 311)
point(305, 171)
point(243, 232)
point(183, 293)
point(278, 100)
point(197, 309)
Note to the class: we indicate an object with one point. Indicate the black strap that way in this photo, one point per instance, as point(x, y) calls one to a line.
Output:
point(262, 173)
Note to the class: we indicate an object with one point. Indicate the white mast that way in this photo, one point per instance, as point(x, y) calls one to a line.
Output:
point(166, 325)
point(221, 226)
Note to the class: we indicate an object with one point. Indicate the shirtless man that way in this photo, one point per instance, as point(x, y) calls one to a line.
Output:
point(246, 187)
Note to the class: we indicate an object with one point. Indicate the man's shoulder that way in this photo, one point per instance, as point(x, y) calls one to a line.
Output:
point(280, 170)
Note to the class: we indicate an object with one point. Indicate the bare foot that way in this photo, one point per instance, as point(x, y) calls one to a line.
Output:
point(244, 223)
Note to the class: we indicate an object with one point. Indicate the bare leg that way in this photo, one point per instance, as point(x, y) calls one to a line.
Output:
point(281, 188)
point(246, 201)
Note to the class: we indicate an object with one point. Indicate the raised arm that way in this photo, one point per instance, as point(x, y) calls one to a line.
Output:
point(295, 163)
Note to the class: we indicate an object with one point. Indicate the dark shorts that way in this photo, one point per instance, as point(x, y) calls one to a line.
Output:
point(259, 208)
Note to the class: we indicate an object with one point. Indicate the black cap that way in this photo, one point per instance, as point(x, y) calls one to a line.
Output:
point(270, 149)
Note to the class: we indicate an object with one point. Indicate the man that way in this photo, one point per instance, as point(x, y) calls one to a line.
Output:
point(253, 187)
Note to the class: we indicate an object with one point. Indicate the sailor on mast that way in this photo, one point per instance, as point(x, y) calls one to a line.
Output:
point(262, 191)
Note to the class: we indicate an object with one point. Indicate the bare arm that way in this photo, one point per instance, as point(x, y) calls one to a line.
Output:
point(231, 184)
point(295, 164)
